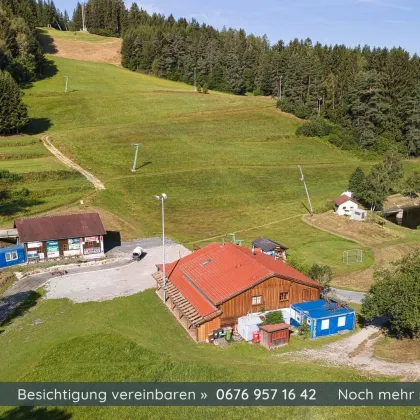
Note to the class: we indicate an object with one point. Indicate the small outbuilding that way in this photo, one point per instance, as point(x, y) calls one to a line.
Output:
point(345, 205)
point(359, 215)
point(275, 335)
point(270, 247)
point(51, 237)
point(247, 325)
point(12, 255)
point(323, 317)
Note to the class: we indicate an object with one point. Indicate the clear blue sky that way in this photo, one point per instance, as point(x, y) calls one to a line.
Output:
point(351, 22)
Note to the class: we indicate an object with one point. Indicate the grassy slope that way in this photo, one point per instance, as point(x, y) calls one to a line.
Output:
point(227, 163)
point(24, 154)
point(136, 339)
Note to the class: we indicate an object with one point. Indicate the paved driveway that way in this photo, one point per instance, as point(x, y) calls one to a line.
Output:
point(110, 283)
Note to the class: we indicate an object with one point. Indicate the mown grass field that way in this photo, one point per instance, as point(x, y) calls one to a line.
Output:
point(227, 163)
point(136, 339)
point(50, 183)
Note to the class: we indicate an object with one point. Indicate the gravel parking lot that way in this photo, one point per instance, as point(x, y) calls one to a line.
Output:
point(125, 280)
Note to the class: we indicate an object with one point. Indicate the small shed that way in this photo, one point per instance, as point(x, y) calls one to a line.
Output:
point(323, 317)
point(359, 215)
point(270, 247)
point(247, 325)
point(275, 335)
point(12, 255)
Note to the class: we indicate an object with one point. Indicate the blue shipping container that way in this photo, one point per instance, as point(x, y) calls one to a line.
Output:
point(12, 255)
point(323, 318)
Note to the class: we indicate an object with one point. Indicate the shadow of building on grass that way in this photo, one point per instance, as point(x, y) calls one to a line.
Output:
point(112, 239)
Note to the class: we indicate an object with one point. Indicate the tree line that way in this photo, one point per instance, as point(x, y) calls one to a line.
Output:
point(373, 93)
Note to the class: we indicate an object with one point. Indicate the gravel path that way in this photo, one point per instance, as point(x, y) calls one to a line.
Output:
point(356, 352)
point(68, 162)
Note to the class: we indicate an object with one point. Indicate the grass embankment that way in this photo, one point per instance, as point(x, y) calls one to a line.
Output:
point(227, 163)
point(397, 351)
point(136, 339)
point(50, 183)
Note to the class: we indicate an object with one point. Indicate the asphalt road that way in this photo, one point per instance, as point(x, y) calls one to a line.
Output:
point(355, 297)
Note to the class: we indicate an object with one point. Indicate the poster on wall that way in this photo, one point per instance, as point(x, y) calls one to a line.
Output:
point(88, 251)
point(34, 245)
point(91, 239)
point(33, 255)
point(52, 249)
point(74, 244)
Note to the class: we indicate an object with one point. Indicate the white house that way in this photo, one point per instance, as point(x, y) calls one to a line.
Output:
point(345, 206)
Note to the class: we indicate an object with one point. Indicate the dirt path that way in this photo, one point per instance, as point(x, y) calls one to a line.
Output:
point(356, 352)
point(91, 178)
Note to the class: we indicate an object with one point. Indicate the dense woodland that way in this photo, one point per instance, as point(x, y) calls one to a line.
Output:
point(373, 93)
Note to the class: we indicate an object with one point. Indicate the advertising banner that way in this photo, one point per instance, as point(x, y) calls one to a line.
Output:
point(71, 253)
point(52, 249)
point(74, 244)
point(34, 245)
point(33, 255)
point(91, 239)
point(88, 251)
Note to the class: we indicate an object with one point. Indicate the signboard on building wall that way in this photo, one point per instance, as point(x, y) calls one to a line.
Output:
point(33, 255)
point(74, 244)
point(34, 245)
point(91, 239)
point(88, 251)
point(52, 249)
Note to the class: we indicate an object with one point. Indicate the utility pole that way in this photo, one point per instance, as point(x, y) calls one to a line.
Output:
point(302, 179)
point(136, 145)
point(67, 83)
point(83, 17)
point(162, 199)
point(281, 77)
point(195, 79)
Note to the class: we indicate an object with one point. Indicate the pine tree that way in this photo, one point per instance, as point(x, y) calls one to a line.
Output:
point(357, 183)
point(13, 112)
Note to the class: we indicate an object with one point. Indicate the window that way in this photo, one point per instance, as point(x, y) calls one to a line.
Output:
point(325, 324)
point(297, 317)
point(341, 321)
point(11, 256)
point(292, 314)
point(284, 296)
point(65, 247)
point(308, 321)
point(256, 300)
point(91, 244)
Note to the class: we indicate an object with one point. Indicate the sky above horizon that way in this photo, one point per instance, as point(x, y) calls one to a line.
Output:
point(383, 23)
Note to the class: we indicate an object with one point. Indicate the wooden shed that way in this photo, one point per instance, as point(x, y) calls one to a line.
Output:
point(275, 335)
point(214, 286)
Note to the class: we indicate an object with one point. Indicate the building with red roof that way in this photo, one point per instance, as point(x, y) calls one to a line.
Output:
point(213, 286)
point(345, 205)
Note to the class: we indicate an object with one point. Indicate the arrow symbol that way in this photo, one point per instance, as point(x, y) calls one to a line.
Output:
point(203, 395)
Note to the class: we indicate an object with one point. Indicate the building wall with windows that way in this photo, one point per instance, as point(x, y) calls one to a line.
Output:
point(12, 255)
point(273, 293)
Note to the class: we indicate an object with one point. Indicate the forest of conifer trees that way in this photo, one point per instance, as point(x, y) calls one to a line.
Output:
point(373, 93)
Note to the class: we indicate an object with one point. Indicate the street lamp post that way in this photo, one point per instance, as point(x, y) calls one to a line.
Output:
point(162, 199)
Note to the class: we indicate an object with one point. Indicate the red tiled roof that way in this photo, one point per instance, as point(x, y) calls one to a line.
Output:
point(343, 199)
point(274, 327)
point(215, 273)
point(59, 227)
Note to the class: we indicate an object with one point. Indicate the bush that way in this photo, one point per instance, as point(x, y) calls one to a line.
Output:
point(205, 89)
point(315, 128)
point(199, 90)
point(8, 176)
point(303, 329)
point(271, 318)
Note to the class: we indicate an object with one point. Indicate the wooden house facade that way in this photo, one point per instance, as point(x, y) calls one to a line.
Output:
point(214, 286)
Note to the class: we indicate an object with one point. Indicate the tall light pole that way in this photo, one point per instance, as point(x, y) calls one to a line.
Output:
point(67, 83)
point(162, 199)
point(136, 145)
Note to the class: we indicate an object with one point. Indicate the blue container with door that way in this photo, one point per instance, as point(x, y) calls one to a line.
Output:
point(12, 255)
point(323, 318)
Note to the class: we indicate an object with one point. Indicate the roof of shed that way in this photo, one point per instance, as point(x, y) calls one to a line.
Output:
point(216, 273)
point(59, 227)
point(321, 309)
point(343, 199)
point(267, 244)
point(274, 327)
point(12, 248)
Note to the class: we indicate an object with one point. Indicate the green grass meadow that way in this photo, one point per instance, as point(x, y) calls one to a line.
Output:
point(227, 163)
